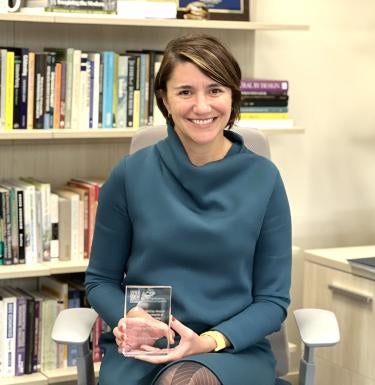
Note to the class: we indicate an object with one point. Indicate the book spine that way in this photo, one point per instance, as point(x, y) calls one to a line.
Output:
point(264, 109)
point(69, 87)
point(37, 346)
point(264, 115)
point(16, 90)
point(9, 91)
point(54, 226)
point(130, 90)
point(31, 91)
point(9, 325)
point(8, 259)
point(2, 232)
point(273, 86)
point(24, 86)
point(21, 227)
point(63, 95)
point(57, 101)
point(3, 77)
point(30, 335)
point(13, 207)
point(108, 68)
point(40, 62)
point(20, 336)
point(122, 95)
point(76, 87)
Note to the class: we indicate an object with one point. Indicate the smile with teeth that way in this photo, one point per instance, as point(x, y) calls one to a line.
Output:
point(202, 121)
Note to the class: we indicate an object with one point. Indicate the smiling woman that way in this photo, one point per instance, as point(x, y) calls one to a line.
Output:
point(198, 91)
point(213, 223)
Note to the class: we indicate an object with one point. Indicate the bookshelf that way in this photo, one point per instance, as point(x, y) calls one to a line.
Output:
point(58, 155)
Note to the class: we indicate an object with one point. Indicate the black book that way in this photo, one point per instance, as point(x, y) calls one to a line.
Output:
point(363, 263)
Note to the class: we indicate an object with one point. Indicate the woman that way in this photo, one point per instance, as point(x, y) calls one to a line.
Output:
point(202, 213)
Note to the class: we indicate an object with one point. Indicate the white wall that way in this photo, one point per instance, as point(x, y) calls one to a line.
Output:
point(329, 171)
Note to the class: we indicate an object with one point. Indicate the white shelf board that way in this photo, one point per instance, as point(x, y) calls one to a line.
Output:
point(42, 269)
point(28, 379)
point(61, 267)
point(27, 15)
point(115, 133)
point(23, 271)
point(64, 375)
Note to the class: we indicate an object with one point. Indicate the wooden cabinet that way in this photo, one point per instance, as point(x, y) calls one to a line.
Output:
point(331, 283)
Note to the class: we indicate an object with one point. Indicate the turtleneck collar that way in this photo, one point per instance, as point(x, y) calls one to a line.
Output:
point(199, 179)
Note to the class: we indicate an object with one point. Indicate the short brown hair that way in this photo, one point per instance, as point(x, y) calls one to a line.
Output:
point(211, 57)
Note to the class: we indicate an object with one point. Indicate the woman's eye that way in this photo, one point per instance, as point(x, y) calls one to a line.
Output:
point(184, 92)
point(216, 91)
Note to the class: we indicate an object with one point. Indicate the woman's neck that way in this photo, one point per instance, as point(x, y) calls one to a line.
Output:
point(200, 155)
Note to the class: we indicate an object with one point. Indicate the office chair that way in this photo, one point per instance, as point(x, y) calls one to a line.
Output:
point(318, 328)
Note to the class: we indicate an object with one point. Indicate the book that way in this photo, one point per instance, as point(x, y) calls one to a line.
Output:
point(108, 74)
point(21, 314)
point(264, 115)
point(271, 86)
point(44, 189)
point(367, 264)
point(9, 327)
point(30, 91)
point(9, 91)
point(54, 246)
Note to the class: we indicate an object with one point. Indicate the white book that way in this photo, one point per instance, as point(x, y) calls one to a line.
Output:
point(30, 220)
point(84, 96)
point(122, 90)
point(76, 87)
point(54, 218)
point(45, 219)
point(72, 222)
point(8, 326)
point(95, 73)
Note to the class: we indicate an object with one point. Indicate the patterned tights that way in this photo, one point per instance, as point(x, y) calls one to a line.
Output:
point(187, 373)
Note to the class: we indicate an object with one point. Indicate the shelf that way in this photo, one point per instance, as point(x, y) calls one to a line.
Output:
point(22, 134)
point(114, 133)
point(28, 379)
point(65, 375)
point(29, 15)
point(42, 269)
point(23, 271)
point(46, 377)
point(61, 267)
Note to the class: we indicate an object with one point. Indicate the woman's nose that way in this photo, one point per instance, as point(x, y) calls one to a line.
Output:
point(201, 105)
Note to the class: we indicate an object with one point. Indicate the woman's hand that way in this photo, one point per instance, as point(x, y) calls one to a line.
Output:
point(190, 343)
point(139, 329)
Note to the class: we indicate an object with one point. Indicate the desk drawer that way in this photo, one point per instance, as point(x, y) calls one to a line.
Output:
point(352, 299)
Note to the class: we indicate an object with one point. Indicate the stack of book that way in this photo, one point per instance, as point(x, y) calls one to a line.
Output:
point(26, 322)
point(72, 89)
point(40, 224)
point(264, 104)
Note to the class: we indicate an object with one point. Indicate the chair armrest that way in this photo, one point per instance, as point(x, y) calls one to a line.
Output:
point(317, 327)
point(73, 325)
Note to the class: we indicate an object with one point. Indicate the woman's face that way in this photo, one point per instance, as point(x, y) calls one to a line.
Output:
point(199, 106)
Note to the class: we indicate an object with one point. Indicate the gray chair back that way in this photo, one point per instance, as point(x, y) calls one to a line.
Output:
point(257, 142)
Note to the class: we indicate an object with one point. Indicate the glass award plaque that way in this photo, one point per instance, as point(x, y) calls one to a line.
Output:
point(147, 316)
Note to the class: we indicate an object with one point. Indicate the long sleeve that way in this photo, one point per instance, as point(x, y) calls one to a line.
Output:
point(271, 277)
point(110, 249)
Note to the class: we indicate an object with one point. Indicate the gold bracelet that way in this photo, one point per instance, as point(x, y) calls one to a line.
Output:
point(218, 337)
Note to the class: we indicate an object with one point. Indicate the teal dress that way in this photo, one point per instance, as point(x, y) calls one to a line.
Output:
point(219, 234)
